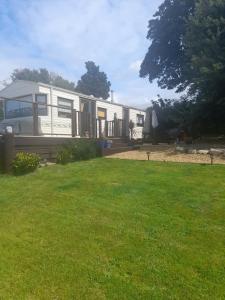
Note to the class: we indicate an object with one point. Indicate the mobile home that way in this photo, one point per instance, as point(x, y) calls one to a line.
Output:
point(59, 112)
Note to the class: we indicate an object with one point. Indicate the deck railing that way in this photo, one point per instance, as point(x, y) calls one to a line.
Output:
point(76, 123)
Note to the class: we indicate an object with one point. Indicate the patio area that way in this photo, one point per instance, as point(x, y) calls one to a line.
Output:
point(168, 153)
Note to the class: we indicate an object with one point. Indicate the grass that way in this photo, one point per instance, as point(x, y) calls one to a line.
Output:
point(111, 229)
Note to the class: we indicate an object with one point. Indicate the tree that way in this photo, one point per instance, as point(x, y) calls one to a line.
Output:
point(205, 50)
point(94, 82)
point(165, 59)
point(188, 51)
point(44, 76)
point(59, 81)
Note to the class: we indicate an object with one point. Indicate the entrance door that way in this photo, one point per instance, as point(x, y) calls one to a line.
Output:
point(88, 116)
point(125, 122)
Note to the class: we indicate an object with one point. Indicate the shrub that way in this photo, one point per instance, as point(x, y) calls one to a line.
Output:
point(78, 150)
point(25, 163)
point(64, 155)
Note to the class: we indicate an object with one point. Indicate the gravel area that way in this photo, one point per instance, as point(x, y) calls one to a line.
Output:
point(168, 155)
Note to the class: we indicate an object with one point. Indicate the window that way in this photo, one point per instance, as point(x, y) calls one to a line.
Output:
point(16, 108)
point(42, 109)
point(140, 120)
point(22, 106)
point(64, 108)
point(101, 113)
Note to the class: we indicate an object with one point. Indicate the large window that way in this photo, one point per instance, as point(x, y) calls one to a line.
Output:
point(64, 108)
point(140, 120)
point(22, 106)
point(16, 108)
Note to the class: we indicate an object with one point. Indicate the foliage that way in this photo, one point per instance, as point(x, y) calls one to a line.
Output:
point(205, 50)
point(188, 51)
point(59, 81)
point(25, 163)
point(94, 82)
point(44, 76)
point(194, 117)
point(165, 59)
point(64, 155)
point(85, 149)
point(114, 229)
point(78, 150)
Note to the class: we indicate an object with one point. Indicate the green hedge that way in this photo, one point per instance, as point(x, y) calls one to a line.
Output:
point(78, 150)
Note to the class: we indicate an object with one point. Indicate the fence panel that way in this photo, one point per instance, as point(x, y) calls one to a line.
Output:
point(45, 147)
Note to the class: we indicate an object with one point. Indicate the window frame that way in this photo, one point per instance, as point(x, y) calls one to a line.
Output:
point(103, 109)
point(64, 107)
point(138, 117)
point(42, 104)
point(19, 101)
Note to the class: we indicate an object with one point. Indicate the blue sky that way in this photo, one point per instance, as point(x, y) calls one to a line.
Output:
point(62, 35)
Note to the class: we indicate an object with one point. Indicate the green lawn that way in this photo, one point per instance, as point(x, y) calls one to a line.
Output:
point(111, 229)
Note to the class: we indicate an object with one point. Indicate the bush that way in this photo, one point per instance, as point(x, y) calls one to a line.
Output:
point(78, 150)
point(25, 163)
point(64, 155)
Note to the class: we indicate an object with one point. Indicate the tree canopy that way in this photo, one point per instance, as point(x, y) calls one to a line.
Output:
point(205, 50)
point(187, 51)
point(165, 59)
point(44, 76)
point(94, 82)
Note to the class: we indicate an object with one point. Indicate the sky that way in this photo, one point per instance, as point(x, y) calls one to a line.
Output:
point(61, 35)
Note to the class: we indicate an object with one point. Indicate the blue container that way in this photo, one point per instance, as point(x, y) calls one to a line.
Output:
point(102, 144)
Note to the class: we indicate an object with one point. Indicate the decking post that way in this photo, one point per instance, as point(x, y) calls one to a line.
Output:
point(93, 112)
point(115, 127)
point(106, 128)
point(35, 119)
point(8, 151)
point(74, 122)
point(100, 128)
point(90, 129)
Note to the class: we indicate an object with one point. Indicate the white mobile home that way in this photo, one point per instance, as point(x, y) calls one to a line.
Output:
point(59, 112)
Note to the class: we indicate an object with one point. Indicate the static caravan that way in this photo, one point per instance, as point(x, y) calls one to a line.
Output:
point(59, 112)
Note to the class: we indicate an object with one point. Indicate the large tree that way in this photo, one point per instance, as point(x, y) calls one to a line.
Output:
point(42, 75)
point(188, 51)
point(165, 59)
point(94, 82)
point(205, 50)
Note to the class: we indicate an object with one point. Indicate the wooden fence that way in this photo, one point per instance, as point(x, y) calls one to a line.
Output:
point(46, 147)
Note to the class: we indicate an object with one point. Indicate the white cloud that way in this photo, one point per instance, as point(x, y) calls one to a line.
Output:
point(135, 66)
